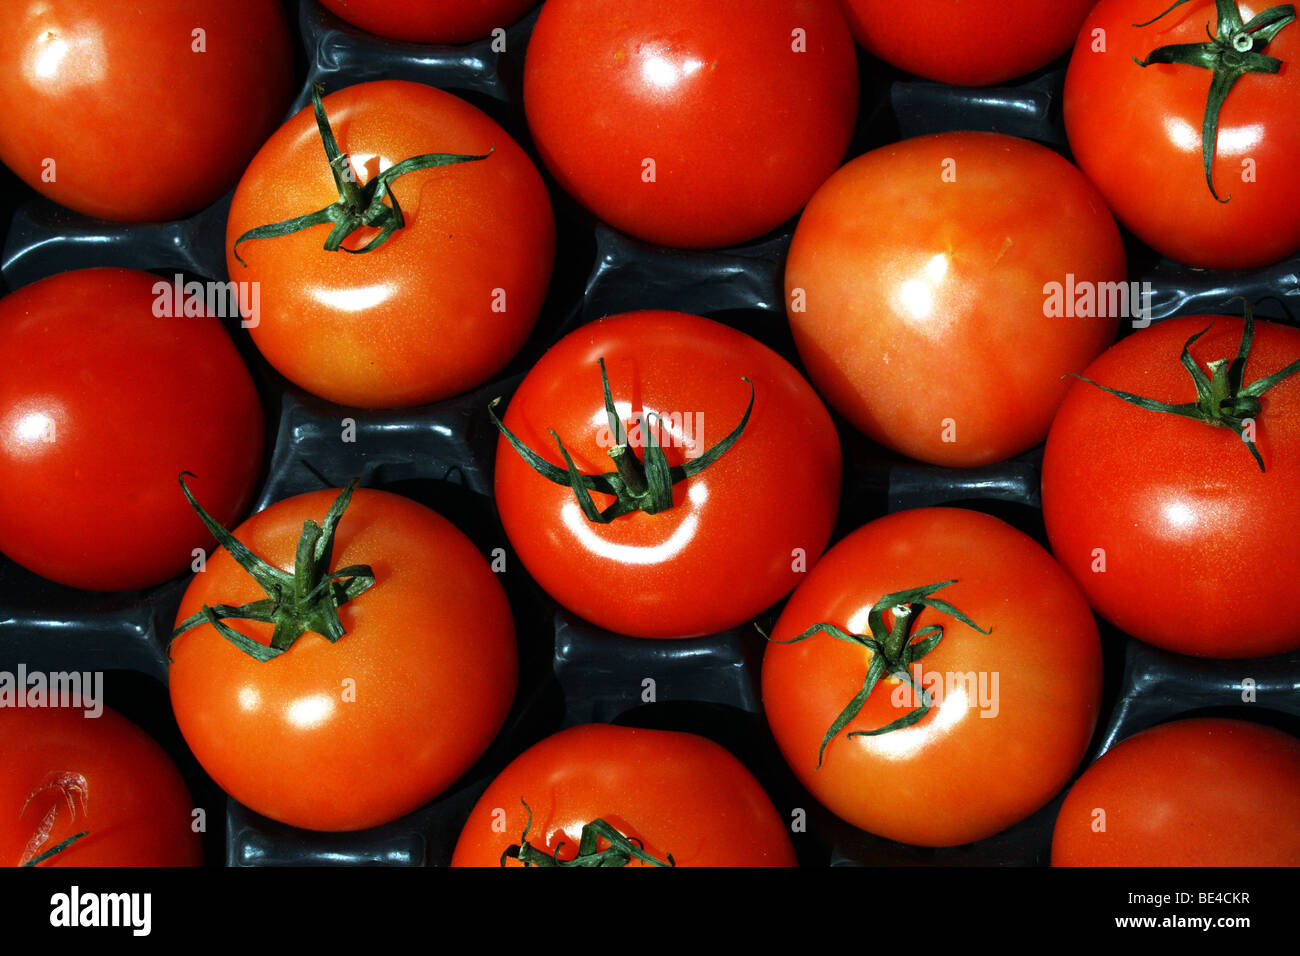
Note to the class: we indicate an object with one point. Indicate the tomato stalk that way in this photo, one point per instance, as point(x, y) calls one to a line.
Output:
point(357, 205)
point(55, 850)
point(636, 485)
point(1221, 399)
point(308, 599)
point(894, 649)
point(620, 852)
point(1229, 55)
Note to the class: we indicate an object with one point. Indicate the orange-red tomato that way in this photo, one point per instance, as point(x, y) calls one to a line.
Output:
point(675, 793)
point(430, 21)
point(67, 773)
point(738, 534)
point(102, 404)
point(446, 301)
point(697, 123)
point(351, 734)
point(139, 111)
point(1200, 792)
point(1013, 710)
point(969, 43)
point(917, 288)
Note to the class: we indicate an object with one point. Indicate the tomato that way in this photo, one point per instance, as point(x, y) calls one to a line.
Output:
point(422, 21)
point(102, 404)
point(737, 535)
point(144, 111)
point(352, 733)
point(1199, 792)
point(1169, 525)
point(442, 303)
point(968, 43)
point(696, 123)
point(917, 290)
point(1137, 133)
point(67, 773)
point(1012, 709)
point(665, 794)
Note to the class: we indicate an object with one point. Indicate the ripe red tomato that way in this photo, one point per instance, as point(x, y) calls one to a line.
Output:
point(351, 734)
point(441, 305)
point(1137, 133)
point(68, 773)
point(141, 111)
point(423, 21)
point(696, 123)
point(1013, 709)
point(664, 794)
point(1200, 792)
point(917, 291)
point(1168, 524)
point(102, 404)
point(737, 535)
point(968, 43)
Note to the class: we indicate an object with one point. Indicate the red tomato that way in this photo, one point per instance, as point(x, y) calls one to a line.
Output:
point(917, 289)
point(1168, 524)
point(67, 773)
point(446, 301)
point(696, 123)
point(102, 404)
point(430, 21)
point(352, 734)
point(967, 43)
point(140, 111)
point(738, 534)
point(1202, 792)
point(664, 793)
point(1137, 133)
point(1013, 709)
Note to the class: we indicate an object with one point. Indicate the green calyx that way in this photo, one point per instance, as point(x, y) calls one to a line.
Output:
point(357, 205)
point(894, 649)
point(620, 851)
point(636, 485)
point(55, 850)
point(306, 600)
point(1230, 54)
point(1221, 398)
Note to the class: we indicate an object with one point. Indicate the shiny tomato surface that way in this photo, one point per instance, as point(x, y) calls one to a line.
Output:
point(446, 301)
point(356, 733)
point(66, 772)
point(1013, 709)
point(675, 793)
point(698, 123)
point(102, 404)
point(139, 111)
point(917, 290)
point(739, 534)
point(1199, 792)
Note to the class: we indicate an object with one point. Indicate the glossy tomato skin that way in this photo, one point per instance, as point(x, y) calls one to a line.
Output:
point(446, 301)
point(1137, 134)
point(1194, 540)
point(102, 405)
point(916, 288)
point(677, 793)
point(430, 21)
point(1199, 792)
point(741, 125)
point(140, 123)
point(128, 796)
point(429, 656)
point(738, 532)
point(967, 44)
point(983, 758)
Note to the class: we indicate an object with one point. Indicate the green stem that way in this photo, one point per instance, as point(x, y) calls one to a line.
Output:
point(620, 851)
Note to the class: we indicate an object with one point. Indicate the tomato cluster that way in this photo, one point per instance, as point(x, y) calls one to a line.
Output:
point(341, 656)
